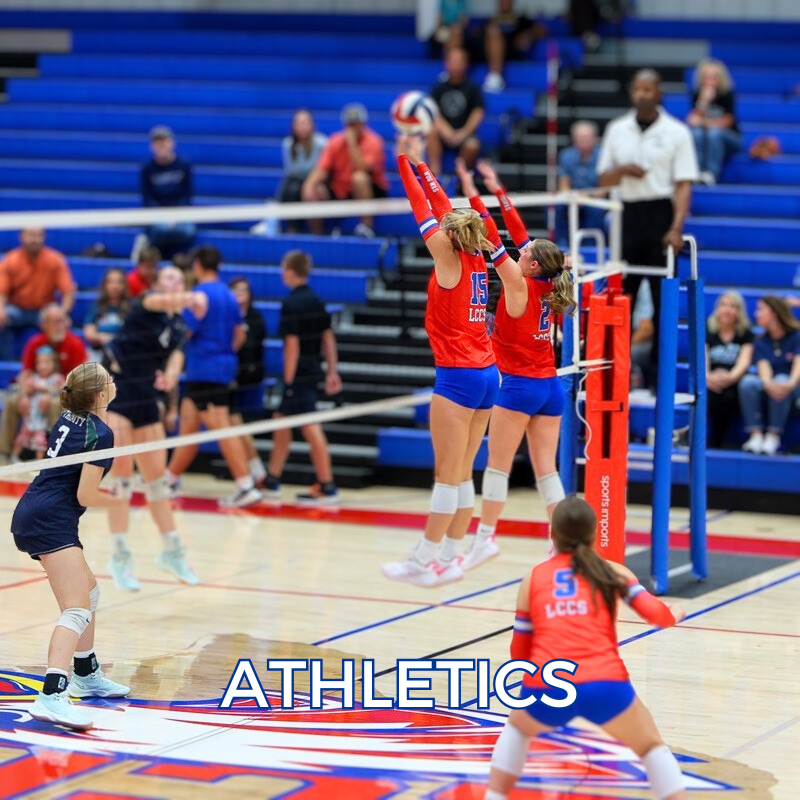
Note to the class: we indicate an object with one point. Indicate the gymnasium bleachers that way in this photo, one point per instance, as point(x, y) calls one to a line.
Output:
point(73, 138)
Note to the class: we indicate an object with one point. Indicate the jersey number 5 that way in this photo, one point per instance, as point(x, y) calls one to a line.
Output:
point(564, 583)
point(52, 452)
point(480, 291)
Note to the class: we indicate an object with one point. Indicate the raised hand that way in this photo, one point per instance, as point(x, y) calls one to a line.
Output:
point(465, 177)
point(489, 176)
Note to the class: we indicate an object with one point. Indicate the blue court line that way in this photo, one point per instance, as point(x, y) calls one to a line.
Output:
point(693, 615)
point(417, 611)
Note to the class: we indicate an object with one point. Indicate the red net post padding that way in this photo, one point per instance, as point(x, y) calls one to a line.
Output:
point(608, 337)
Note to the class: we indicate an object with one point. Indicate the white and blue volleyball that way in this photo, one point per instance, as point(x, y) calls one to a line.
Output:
point(413, 113)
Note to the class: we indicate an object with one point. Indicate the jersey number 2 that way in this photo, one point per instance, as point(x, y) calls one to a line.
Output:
point(480, 292)
point(544, 319)
point(564, 583)
point(52, 452)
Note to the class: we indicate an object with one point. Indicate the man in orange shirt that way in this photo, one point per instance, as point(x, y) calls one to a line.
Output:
point(30, 278)
point(351, 167)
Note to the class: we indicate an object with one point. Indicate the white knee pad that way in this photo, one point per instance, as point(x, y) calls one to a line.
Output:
point(75, 619)
point(495, 485)
point(444, 499)
point(663, 772)
point(510, 751)
point(94, 596)
point(122, 487)
point(157, 490)
point(551, 490)
point(466, 494)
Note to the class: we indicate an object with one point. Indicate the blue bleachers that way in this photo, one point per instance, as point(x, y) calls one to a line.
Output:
point(770, 271)
point(737, 201)
point(721, 233)
point(755, 81)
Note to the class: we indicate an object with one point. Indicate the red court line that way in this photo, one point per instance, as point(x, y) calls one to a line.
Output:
point(416, 520)
point(23, 583)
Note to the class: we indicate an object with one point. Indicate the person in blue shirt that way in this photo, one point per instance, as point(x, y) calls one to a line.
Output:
point(45, 526)
point(166, 182)
point(212, 364)
point(103, 321)
point(777, 359)
point(577, 169)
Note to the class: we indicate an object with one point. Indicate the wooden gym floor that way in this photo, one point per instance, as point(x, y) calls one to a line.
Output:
point(283, 582)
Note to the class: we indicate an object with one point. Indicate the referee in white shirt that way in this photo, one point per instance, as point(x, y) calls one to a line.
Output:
point(650, 155)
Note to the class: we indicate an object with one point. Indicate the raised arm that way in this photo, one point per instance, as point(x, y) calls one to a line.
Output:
point(516, 227)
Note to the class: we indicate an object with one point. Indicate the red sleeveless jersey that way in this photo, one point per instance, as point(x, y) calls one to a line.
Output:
point(455, 319)
point(568, 623)
point(523, 345)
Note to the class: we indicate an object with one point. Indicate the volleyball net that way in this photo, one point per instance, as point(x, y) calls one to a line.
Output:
point(375, 291)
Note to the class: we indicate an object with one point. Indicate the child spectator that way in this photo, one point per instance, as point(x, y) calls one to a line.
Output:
point(249, 398)
point(104, 319)
point(352, 166)
point(144, 275)
point(729, 348)
point(31, 276)
point(41, 386)
point(713, 118)
point(460, 113)
point(300, 151)
point(777, 359)
point(166, 183)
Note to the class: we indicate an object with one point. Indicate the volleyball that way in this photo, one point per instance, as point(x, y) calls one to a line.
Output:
point(414, 113)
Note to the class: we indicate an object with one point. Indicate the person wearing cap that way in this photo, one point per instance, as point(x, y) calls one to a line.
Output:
point(166, 183)
point(351, 167)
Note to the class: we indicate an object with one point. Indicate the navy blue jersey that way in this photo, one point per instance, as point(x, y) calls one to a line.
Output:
point(50, 504)
point(144, 342)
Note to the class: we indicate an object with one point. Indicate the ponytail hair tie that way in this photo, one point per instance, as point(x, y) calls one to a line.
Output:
point(67, 388)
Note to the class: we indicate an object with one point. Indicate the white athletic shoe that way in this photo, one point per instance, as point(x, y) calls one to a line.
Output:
point(411, 571)
point(448, 571)
point(58, 709)
point(755, 444)
point(771, 444)
point(96, 685)
point(242, 498)
point(479, 552)
point(120, 565)
point(174, 561)
point(494, 83)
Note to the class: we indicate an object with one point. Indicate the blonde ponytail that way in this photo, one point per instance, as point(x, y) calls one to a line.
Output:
point(468, 230)
point(553, 266)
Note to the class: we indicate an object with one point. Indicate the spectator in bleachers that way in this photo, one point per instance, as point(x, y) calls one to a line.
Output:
point(777, 359)
point(729, 349)
point(508, 36)
point(104, 319)
point(713, 118)
point(71, 352)
point(650, 156)
point(461, 111)
point(145, 274)
point(31, 276)
point(166, 183)
point(301, 151)
point(453, 21)
point(642, 338)
point(248, 401)
point(42, 385)
point(352, 166)
point(577, 169)
point(308, 338)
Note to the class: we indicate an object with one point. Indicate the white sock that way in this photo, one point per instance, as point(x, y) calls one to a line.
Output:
point(450, 549)
point(485, 532)
point(257, 468)
point(78, 654)
point(245, 484)
point(493, 795)
point(120, 542)
point(172, 541)
point(426, 551)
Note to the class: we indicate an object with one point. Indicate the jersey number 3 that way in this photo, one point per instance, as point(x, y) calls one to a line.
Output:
point(480, 290)
point(564, 584)
point(52, 452)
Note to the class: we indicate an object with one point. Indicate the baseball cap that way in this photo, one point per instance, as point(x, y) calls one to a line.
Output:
point(161, 132)
point(354, 113)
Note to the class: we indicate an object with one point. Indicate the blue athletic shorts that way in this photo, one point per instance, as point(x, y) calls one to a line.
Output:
point(532, 396)
point(598, 701)
point(471, 388)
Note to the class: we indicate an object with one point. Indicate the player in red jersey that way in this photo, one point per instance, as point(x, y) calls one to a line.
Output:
point(566, 609)
point(466, 376)
point(531, 398)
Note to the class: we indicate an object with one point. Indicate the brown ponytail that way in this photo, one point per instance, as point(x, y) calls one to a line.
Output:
point(574, 528)
point(553, 266)
point(81, 388)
